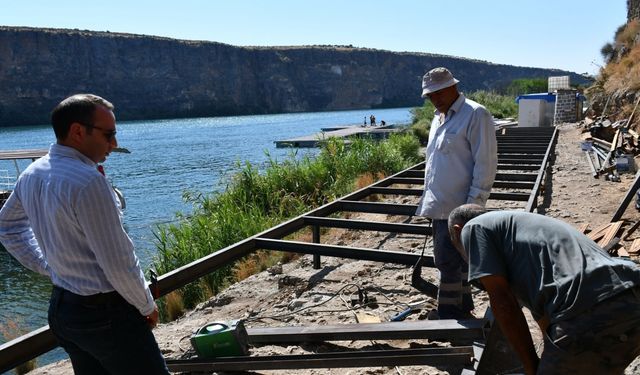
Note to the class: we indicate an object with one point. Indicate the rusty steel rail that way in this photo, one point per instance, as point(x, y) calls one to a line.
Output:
point(517, 147)
point(399, 357)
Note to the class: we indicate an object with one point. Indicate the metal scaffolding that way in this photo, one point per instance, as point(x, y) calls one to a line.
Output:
point(523, 158)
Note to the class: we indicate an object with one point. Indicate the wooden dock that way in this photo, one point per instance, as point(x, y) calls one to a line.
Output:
point(344, 132)
point(23, 154)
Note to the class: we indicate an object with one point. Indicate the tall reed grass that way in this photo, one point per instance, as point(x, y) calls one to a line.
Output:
point(257, 200)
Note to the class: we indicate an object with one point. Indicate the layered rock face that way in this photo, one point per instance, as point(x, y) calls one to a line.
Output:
point(633, 10)
point(152, 78)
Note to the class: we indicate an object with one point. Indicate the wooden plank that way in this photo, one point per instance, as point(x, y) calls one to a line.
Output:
point(610, 233)
point(627, 198)
point(23, 154)
point(635, 246)
point(598, 233)
point(583, 228)
point(622, 252)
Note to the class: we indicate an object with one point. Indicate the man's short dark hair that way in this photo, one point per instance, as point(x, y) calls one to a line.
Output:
point(77, 108)
point(461, 215)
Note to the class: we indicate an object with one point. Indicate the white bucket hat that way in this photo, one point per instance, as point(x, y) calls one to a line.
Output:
point(437, 79)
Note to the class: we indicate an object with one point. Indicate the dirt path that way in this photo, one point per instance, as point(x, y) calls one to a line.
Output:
point(571, 194)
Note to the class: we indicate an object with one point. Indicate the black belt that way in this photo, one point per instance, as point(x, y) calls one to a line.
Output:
point(108, 298)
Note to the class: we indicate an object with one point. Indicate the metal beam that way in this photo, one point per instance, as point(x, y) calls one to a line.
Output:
point(414, 173)
point(517, 167)
point(520, 197)
point(407, 181)
point(368, 225)
point(375, 358)
point(384, 256)
point(521, 156)
point(446, 330)
point(521, 149)
point(378, 208)
point(627, 199)
point(508, 160)
point(533, 199)
point(513, 185)
point(516, 176)
point(396, 191)
point(26, 347)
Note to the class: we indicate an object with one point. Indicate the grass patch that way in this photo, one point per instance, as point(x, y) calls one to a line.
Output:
point(257, 200)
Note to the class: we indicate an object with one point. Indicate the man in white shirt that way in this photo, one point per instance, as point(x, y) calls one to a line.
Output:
point(461, 163)
point(62, 221)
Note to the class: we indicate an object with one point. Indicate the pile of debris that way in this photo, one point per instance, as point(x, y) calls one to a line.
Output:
point(610, 146)
point(608, 237)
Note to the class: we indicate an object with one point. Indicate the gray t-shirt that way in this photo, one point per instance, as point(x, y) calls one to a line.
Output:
point(552, 268)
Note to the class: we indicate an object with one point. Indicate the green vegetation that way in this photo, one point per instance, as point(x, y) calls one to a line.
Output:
point(255, 201)
point(421, 123)
point(500, 106)
point(527, 86)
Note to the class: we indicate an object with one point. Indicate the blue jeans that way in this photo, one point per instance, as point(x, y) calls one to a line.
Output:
point(454, 293)
point(109, 337)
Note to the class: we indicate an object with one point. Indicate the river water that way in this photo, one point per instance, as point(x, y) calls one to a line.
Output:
point(168, 157)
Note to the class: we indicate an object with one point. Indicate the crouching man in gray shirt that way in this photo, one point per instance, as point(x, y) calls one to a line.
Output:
point(586, 303)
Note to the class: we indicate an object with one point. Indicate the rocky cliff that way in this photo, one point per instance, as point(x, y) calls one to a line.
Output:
point(150, 77)
point(633, 10)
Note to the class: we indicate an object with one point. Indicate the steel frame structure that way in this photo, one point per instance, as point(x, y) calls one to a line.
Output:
point(520, 151)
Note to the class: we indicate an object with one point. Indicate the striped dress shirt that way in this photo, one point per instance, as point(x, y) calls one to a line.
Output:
point(62, 221)
point(461, 159)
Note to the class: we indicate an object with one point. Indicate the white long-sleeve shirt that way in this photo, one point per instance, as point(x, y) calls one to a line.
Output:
point(461, 159)
point(62, 221)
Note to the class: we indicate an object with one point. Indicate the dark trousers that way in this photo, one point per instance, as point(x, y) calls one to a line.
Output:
point(602, 340)
point(104, 335)
point(454, 293)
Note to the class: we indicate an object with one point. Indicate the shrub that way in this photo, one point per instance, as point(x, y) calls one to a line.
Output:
point(500, 106)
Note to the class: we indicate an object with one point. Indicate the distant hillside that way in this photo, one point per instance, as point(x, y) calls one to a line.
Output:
point(152, 78)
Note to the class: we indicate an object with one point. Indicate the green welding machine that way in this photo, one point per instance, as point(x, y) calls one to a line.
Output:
point(221, 339)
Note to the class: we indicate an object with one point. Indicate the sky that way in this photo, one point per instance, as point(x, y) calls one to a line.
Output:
point(562, 34)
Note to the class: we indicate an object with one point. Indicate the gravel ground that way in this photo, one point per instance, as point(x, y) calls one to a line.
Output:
point(571, 194)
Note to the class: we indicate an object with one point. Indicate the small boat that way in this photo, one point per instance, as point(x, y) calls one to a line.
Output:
point(7, 181)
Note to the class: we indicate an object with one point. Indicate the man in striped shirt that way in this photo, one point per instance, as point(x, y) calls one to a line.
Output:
point(62, 221)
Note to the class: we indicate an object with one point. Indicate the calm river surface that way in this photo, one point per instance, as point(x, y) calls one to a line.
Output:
point(168, 157)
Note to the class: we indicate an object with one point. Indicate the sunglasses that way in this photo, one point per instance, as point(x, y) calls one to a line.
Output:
point(108, 134)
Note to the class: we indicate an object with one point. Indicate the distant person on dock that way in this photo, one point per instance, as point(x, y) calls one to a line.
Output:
point(461, 162)
point(383, 123)
point(62, 221)
point(586, 303)
point(365, 121)
point(372, 120)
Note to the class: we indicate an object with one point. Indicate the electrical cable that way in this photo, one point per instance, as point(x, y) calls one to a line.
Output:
point(306, 307)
